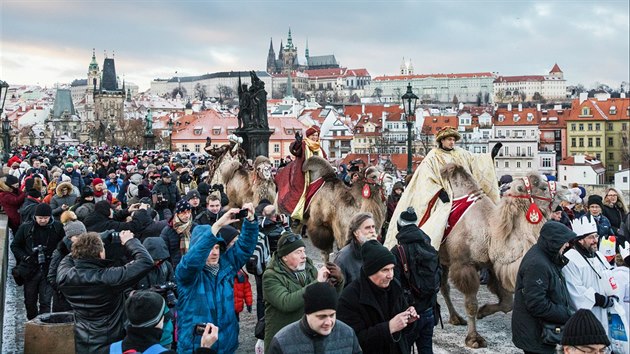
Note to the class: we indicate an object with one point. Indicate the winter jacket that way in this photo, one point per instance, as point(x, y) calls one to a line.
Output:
point(360, 308)
point(62, 250)
point(75, 179)
point(172, 240)
point(31, 234)
point(60, 199)
point(98, 222)
point(11, 200)
point(170, 194)
point(162, 272)
point(84, 210)
point(283, 295)
point(207, 218)
point(151, 229)
point(615, 216)
point(604, 229)
point(350, 262)
point(273, 230)
point(206, 298)
point(242, 291)
point(27, 210)
point(298, 337)
point(541, 294)
point(95, 292)
point(114, 187)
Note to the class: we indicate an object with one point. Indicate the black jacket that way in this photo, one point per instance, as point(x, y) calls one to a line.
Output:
point(27, 210)
point(170, 194)
point(98, 222)
point(162, 272)
point(96, 293)
point(541, 294)
point(359, 307)
point(30, 235)
point(207, 218)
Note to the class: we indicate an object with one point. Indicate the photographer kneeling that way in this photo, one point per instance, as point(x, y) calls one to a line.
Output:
point(205, 280)
point(95, 289)
point(145, 311)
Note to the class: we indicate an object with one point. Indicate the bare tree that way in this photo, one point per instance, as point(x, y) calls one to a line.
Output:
point(537, 97)
point(225, 92)
point(455, 100)
point(378, 93)
point(523, 96)
point(398, 93)
point(479, 96)
point(486, 98)
point(500, 96)
point(130, 131)
point(201, 91)
point(179, 90)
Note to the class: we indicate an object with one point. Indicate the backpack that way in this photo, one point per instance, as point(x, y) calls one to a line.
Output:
point(116, 348)
point(260, 258)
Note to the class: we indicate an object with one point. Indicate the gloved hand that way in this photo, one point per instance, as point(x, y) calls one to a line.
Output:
point(625, 250)
point(249, 308)
point(218, 187)
point(495, 149)
point(444, 196)
point(336, 275)
point(298, 137)
point(605, 301)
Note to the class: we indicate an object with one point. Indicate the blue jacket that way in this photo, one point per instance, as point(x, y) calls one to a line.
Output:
point(75, 179)
point(114, 187)
point(205, 298)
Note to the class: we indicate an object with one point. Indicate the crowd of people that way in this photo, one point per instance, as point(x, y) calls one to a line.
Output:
point(147, 254)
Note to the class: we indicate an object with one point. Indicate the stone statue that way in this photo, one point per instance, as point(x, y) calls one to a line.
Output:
point(245, 106)
point(148, 118)
point(258, 101)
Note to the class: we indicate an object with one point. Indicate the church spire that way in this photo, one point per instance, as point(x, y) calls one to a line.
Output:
point(271, 58)
point(306, 53)
point(93, 63)
point(289, 40)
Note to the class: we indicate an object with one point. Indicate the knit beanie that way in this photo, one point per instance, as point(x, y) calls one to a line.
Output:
point(375, 257)
point(11, 180)
point(87, 192)
point(583, 328)
point(182, 206)
point(595, 199)
point(145, 309)
point(34, 193)
point(97, 181)
point(288, 243)
point(102, 208)
point(408, 217)
point(69, 164)
point(74, 228)
point(228, 233)
point(193, 194)
point(319, 296)
point(43, 209)
point(65, 178)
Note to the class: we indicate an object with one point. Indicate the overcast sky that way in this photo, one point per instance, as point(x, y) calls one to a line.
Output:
point(50, 41)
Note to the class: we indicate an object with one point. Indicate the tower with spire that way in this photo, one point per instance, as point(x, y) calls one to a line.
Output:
point(287, 59)
point(271, 58)
point(109, 101)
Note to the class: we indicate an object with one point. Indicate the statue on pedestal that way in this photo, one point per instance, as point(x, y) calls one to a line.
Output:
point(148, 119)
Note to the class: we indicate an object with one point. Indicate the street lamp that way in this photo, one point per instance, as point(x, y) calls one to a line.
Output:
point(409, 100)
point(170, 133)
point(6, 125)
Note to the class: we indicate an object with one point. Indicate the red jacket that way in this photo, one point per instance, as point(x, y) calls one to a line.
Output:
point(11, 201)
point(242, 291)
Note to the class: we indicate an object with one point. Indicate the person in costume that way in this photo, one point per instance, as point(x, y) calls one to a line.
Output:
point(291, 181)
point(431, 195)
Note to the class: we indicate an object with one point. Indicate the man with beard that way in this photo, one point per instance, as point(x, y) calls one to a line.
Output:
point(541, 295)
point(585, 269)
point(360, 230)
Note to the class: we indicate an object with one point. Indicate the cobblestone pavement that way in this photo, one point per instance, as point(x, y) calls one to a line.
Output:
point(14, 313)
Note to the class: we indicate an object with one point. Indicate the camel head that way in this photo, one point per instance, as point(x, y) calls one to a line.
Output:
point(546, 195)
point(262, 165)
point(372, 175)
point(461, 181)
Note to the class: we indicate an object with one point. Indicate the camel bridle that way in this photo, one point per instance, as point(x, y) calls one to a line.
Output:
point(530, 196)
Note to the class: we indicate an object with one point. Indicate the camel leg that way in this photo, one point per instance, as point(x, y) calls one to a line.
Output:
point(466, 279)
point(505, 298)
point(445, 289)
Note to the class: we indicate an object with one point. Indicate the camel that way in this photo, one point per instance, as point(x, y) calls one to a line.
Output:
point(495, 236)
point(333, 206)
point(223, 157)
point(243, 185)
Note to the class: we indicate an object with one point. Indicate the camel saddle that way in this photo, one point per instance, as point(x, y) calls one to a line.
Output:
point(311, 190)
point(459, 207)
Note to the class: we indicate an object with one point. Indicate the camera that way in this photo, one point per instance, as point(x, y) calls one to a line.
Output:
point(115, 237)
point(200, 328)
point(241, 214)
point(168, 292)
point(41, 256)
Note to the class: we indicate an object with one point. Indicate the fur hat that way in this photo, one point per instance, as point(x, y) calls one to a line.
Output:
point(408, 217)
point(43, 209)
point(319, 296)
point(447, 132)
point(398, 185)
point(67, 216)
point(288, 243)
point(103, 208)
point(145, 309)
point(583, 328)
point(74, 228)
point(375, 257)
point(34, 193)
point(312, 130)
point(595, 199)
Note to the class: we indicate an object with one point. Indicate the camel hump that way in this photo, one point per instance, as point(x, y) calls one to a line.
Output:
point(318, 165)
point(450, 169)
point(228, 171)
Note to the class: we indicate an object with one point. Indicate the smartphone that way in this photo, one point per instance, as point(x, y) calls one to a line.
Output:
point(241, 214)
point(200, 328)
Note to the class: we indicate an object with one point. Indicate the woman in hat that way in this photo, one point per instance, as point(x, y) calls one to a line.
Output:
point(291, 181)
point(177, 234)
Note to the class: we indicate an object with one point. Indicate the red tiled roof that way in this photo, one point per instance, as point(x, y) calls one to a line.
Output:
point(508, 117)
point(600, 110)
point(424, 76)
point(589, 161)
point(554, 119)
point(399, 160)
point(325, 73)
point(394, 112)
point(433, 124)
point(519, 78)
point(555, 69)
point(357, 72)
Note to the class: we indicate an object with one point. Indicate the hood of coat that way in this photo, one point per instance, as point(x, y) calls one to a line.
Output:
point(64, 187)
point(553, 235)
point(4, 187)
point(156, 248)
point(411, 233)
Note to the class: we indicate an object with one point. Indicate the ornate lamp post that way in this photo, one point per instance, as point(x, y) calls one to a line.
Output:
point(170, 133)
point(409, 100)
point(6, 125)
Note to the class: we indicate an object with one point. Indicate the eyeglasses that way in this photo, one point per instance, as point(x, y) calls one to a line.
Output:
point(290, 239)
point(590, 350)
point(611, 195)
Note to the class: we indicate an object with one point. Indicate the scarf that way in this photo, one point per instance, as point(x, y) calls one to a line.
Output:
point(212, 268)
point(183, 230)
point(301, 276)
point(98, 194)
point(312, 145)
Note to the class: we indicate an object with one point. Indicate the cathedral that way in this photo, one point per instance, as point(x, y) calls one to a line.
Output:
point(287, 59)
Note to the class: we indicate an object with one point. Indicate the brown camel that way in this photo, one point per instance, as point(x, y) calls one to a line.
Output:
point(222, 157)
point(492, 236)
point(243, 185)
point(333, 206)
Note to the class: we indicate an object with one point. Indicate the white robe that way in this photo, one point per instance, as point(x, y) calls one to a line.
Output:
point(583, 283)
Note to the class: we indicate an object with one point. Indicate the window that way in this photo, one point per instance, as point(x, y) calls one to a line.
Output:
point(611, 155)
point(624, 126)
point(276, 148)
point(625, 179)
point(518, 164)
point(184, 147)
point(586, 111)
point(609, 126)
point(597, 126)
point(610, 142)
point(573, 142)
point(581, 126)
point(573, 126)
point(590, 142)
point(590, 126)
point(598, 156)
point(613, 110)
point(581, 142)
point(484, 149)
point(197, 148)
point(546, 162)
point(507, 164)
point(529, 164)
point(598, 142)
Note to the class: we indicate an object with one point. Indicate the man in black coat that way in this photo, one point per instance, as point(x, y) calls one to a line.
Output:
point(104, 218)
point(95, 290)
point(34, 244)
point(541, 294)
point(374, 305)
point(165, 196)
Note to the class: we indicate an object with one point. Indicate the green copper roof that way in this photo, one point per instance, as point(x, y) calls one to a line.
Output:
point(93, 63)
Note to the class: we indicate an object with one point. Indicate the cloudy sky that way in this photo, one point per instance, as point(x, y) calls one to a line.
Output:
point(49, 41)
